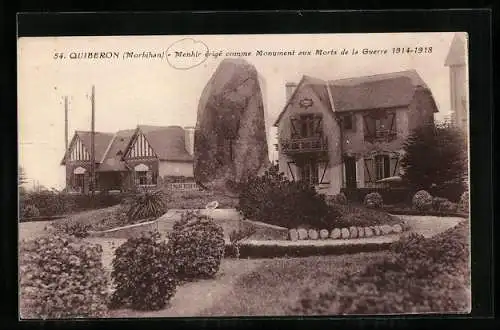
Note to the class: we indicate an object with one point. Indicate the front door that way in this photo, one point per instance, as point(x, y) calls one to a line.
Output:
point(350, 172)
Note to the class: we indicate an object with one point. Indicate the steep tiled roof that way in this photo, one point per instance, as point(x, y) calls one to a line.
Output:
point(385, 90)
point(112, 159)
point(168, 142)
point(101, 140)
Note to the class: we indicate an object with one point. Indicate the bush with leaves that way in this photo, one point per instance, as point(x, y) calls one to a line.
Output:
point(198, 246)
point(373, 200)
point(337, 199)
point(147, 204)
point(422, 200)
point(62, 277)
point(273, 199)
point(438, 203)
point(144, 273)
point(463, 204)
point(29, 211)
point(73, 228)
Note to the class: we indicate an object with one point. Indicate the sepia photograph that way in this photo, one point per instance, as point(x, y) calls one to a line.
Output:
point(243, 175)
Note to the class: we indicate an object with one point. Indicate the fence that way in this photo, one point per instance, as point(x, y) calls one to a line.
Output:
point(182, 186)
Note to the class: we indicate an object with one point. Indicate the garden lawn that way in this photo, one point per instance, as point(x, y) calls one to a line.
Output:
point(269, 289)
point(198, 199)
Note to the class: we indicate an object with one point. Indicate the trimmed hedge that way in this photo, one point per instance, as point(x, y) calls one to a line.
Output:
point(251, 251)
point(197, 244)
point(410, 211)
point(144, 273)
point(62, 277)
point(52, 203)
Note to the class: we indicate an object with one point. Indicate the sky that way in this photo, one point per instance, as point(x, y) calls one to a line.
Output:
point(165, 91)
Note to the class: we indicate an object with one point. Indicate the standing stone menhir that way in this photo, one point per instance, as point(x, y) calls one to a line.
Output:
point(230, 139)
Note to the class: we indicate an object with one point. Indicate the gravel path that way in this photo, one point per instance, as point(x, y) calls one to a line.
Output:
point(192, 298)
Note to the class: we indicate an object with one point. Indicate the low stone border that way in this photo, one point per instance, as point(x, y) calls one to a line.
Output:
point(352, 232)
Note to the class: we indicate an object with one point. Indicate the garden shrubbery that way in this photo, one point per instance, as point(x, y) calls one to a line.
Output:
point(422, 275)
point(337, 199)
point(53, 202)
point(275, 200)
point(61, 277)
point(147, 204)
point(73, 228)
point(422, 200)
point(373, 200)
point(144, 273)
point(197, 243)
point(360, 216)
point(463, 204)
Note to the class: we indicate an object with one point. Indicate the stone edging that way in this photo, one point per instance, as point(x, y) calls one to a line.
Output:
point(301, 234)
point(93, 233)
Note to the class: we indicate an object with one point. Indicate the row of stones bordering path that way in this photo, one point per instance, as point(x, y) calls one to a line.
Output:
point(352, 232)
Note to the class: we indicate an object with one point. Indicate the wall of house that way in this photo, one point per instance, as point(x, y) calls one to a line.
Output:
point(421, 109)
point(333, 174)
point(171, 168)
point(70, 168)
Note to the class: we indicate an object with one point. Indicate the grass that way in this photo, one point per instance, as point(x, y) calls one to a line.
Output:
point(269, 289)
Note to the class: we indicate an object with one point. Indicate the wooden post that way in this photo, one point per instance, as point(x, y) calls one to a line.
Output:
point(92, 145)
point(66, 123)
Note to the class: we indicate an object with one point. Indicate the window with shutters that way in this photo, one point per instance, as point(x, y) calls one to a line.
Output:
point(382, 167)
point(380, 127)
point(306, 126)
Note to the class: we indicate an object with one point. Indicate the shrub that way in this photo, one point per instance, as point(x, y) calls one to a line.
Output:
point(422, 200)
point(148, 204)
point(338, 199)
point(29, 211)
point(236, 236)
point(463, 204)
point(198, 246)
point(73, 228)
point(360, 216)
point(61, 277)
point(275, 200)
point(144, 273)
point(373, 200)
point(438, 202)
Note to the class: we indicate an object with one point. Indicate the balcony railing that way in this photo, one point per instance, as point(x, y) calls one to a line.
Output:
point(382, 135)
point(304, 145)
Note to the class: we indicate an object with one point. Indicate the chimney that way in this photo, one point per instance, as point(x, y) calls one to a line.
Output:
point(290, 88)
point(189, 139)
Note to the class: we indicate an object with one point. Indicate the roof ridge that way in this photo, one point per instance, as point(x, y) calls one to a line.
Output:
point(108, 147)
point(381, 75)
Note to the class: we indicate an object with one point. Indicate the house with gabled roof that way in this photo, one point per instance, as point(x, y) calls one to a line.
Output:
point(349, 133)
point(140, 157)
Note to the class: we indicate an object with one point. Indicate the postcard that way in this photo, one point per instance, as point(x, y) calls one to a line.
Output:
point(243, 175)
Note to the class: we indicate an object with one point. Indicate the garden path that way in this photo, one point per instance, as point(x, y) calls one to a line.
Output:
point(192, 298)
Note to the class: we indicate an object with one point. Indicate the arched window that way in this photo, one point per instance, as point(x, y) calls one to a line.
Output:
point(141, 174)
point(79, 178)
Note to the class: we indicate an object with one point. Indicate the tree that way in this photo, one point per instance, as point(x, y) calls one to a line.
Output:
point(435, 159)
point(21, 176)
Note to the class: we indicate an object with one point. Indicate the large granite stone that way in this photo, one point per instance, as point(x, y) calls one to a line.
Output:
point(230, 138)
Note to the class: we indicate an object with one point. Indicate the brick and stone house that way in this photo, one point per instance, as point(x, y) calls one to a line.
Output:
point(349, 133)
point(141, 157)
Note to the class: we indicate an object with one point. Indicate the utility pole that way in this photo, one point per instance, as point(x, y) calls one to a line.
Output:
point(66, 123)
point(92, 145)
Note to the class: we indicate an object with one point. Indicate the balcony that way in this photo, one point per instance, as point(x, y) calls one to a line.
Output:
point(304, 145)
point(381, 135)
